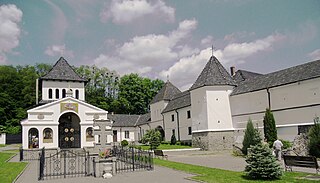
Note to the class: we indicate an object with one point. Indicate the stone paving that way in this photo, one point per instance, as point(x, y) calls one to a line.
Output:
point(221, 160)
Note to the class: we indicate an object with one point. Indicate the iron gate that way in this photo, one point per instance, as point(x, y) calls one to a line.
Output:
point(65, 163)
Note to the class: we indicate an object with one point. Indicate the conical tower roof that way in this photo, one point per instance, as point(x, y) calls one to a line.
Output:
point(167, 92)
point(213, 74)
point(63, 71)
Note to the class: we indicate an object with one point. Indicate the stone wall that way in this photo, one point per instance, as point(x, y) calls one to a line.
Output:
point(213, 141)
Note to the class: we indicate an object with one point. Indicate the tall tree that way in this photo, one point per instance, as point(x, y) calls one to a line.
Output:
point(251, 137)
point(269, 127)
point(314, 138)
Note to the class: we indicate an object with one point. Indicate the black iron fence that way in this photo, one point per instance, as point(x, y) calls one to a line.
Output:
point(131, 159)
point(63, 164)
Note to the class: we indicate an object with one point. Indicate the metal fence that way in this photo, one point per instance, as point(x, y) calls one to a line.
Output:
point(63, 164)
point(131, 159)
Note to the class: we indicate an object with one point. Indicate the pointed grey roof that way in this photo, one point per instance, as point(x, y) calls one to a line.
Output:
point(242, 75)
point(213, 74)
point(179, 101)
point(63, 71)
point(167, 92)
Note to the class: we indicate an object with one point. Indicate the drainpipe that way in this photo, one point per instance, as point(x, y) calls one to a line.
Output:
point(164, 127)
point(269, 98)
point(178, 125)
point(140, 136)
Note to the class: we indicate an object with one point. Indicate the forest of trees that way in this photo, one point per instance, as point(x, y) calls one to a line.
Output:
point(129, 94)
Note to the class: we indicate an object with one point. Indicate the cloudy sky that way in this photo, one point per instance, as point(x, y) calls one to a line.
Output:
point(158, 38)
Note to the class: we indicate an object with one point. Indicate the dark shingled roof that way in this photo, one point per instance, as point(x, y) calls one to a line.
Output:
point(144, 119)
point(242, 75)
point(179, 101)
point(123, 120)
point(294, 74)
point(62, 71)
point(167, 92)
point(213, 74)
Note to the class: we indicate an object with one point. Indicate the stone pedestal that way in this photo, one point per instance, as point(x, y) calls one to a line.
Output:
point(213, 141)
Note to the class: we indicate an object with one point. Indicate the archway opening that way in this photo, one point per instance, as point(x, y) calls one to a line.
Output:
point(160, 129)
point(33, 137)
point(69, 131)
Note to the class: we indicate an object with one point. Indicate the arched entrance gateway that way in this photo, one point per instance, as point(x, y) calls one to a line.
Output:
point(69, 131)
point(160, 129)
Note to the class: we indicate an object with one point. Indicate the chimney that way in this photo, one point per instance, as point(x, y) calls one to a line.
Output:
point(232, 70)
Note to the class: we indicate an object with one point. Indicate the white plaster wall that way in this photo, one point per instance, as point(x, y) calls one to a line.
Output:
point(52, 113)
point(46, 85)
point(121, 133)
point(219, 113)
point(199, 109)
point(184, 123)
point(142, 130)
point(2, 138)
point(296, 94)
point(156, 110)
point(170, 125)
point(287, 133)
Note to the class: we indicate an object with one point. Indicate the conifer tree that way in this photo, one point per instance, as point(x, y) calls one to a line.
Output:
point(314, 139)
point(269, 127)
point(262, 164)
point(251, 137)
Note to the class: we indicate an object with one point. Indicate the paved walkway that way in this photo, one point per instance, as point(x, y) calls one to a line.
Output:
point(221, 160)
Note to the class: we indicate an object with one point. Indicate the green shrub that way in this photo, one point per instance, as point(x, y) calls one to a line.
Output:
point(124, 143)
point(269, 127)
point(314, 139)
point(153, 137)
point(178, 143)
point(262, 164)
point(286, 144)
point(173, 140)
point(251, 137)
point(165, 142)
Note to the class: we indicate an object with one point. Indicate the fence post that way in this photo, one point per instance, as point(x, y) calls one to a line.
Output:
point(132, 150)
point(94, 166)
point(21, 153)
point(64, 163)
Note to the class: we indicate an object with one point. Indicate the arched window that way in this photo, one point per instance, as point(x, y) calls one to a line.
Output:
point(63, 93)
point(57, 93)
point(33, 137)
point(89, 134)
point(77, 94)
point(47, 135)
point(50, 93)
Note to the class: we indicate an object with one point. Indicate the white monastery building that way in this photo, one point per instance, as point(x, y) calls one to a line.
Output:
point(212, 114)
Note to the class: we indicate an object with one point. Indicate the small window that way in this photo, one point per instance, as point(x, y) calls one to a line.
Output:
point(57, 93)
point(77, 94)
point(189, 130)
point(47, 135)
point(304, 129)
point(63, 93)
point(172, 117)
point(126, 134)
point(188, 114)
point(50, 93)
point(174, 132)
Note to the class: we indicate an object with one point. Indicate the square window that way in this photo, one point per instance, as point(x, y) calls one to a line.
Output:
point(188, 114)
point(126, 134)
point(189, 130)
point(172, 117)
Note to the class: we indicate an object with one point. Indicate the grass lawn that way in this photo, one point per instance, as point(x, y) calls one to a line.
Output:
point(217, 175)
point(2, 145)
point(165, 146)
point(9, 170)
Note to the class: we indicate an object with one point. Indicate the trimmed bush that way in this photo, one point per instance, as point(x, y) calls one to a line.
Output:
point(173, 140)
point(124, 143)
point(153, 137)
point(262, 164)
point(251, 137)
point(314, 139)
point(269, 127)
point(286, 144)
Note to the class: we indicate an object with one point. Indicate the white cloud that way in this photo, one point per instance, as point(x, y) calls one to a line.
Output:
point(58, 50)
point(10, 17)
point(315, 55)
point(184, 72)
point(207, 41)
point(144, 54)
point(125, 11)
